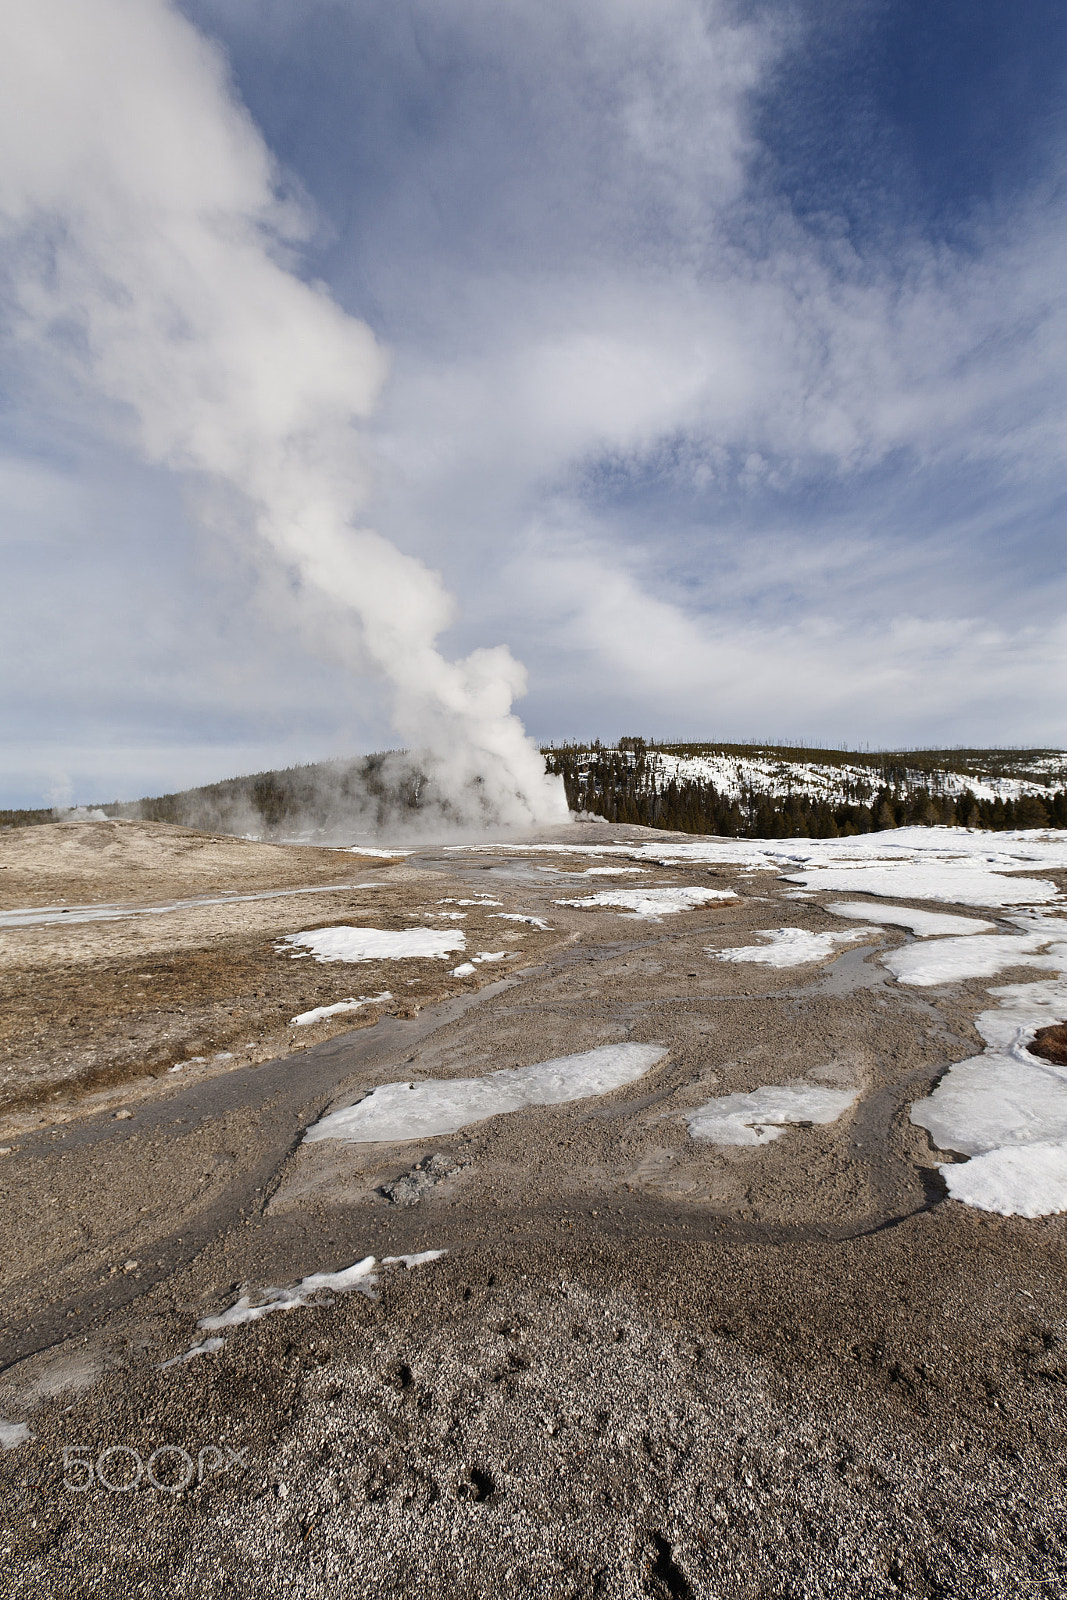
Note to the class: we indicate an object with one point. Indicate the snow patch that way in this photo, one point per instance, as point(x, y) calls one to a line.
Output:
point(373, 944)
point(761, 1116)
point(925, 924)
point(611, 872)
point(997, 1106)
point(399, 1111)
point(465, 968)
point(206, 1348)
point(652, 903)
point(12, 1434)
point(791, 947)
point(1019, 1181)
point(978, 956)
point(515, 916)
point(320, 1013)
point(959, 883)
point(361, 1276)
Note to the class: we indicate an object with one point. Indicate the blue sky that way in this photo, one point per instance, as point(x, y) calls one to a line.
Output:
point(723, 380)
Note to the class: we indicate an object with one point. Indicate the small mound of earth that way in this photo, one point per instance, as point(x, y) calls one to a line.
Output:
point(409, 1190)
point(1051, 1044)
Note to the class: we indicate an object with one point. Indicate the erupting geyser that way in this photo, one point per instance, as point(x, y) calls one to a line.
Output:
point(145, 235)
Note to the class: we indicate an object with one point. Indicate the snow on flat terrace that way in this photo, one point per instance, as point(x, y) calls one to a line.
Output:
point(652, 903)
point(958, 865)
point(791, 947)
point(926, 924)
point(761, 1116)
point(398, 1111)
point(960, 882)
point(1007, 1108)
point(373, 944)
point(979, 956)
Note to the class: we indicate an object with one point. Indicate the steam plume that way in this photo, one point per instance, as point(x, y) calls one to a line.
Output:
point(146, 241)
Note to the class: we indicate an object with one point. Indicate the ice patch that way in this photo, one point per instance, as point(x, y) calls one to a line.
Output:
point(791, 947)
point(399, 1111)
point(761, 1116)
point(320, 1013)
point(374, 944)
point(1020, 1181)
point(12, 1434)
point(925, 924)
point(653, 903)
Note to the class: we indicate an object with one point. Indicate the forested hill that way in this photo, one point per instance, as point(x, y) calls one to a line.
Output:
point(776, 792)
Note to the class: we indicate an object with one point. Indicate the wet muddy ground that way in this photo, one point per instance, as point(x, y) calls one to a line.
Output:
point(647, 1365)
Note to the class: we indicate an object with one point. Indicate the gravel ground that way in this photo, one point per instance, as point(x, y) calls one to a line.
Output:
point(646, 1366)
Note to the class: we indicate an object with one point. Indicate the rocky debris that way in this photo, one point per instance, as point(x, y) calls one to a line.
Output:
point(409, 1190)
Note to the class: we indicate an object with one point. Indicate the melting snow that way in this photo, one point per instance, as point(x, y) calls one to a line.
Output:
point(361, 1276)
point(1007, 1108)
point(760, 1117)
point(791, 947)
point(396, 1111)
point(205, 1348)
point(515, 916)
point(374, 944)
point(926, 924)
point(652, 903)
point(320, 1013)
point(465, 968)
point(13, 1433)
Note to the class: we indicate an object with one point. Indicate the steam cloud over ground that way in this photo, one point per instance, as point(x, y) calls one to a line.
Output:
point(151, 249)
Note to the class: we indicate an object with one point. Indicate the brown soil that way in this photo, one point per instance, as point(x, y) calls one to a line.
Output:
point(79, 863)
point(96, 1005)
point(1051, 1044)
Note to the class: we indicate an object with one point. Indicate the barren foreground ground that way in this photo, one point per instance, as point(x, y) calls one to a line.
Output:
point(648, 1365)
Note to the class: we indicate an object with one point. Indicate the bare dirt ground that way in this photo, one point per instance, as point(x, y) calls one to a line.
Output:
point(647, 1365)
point(88, 1005)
